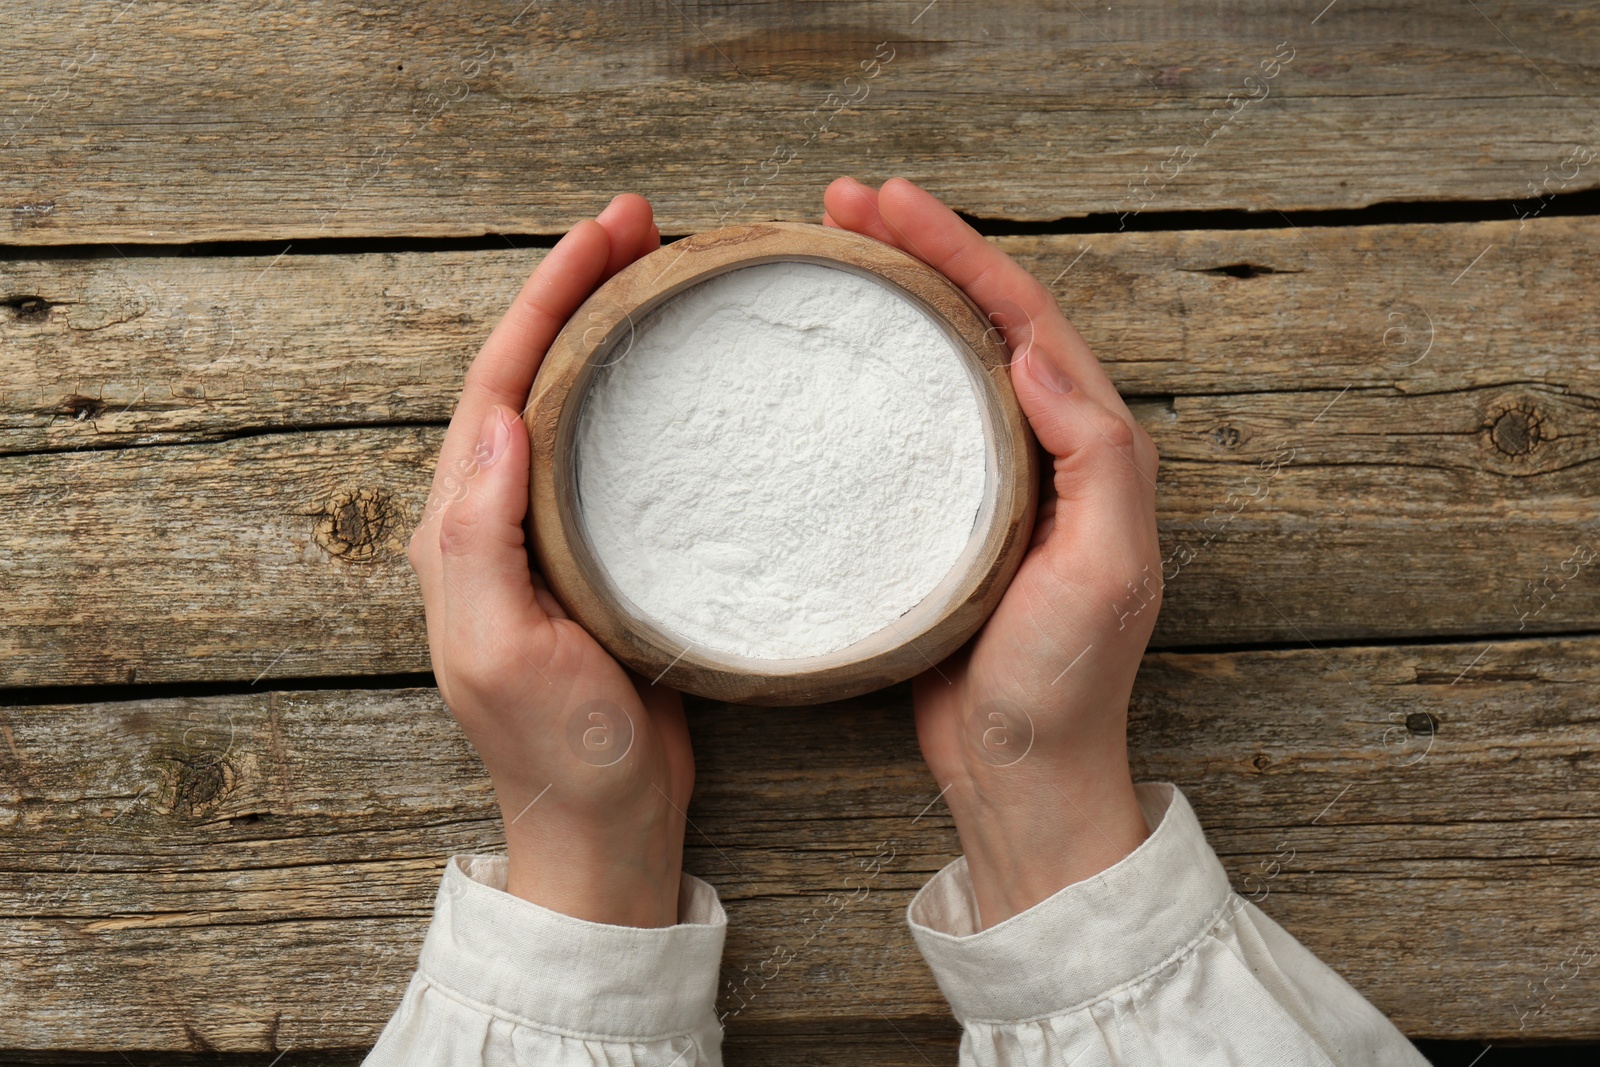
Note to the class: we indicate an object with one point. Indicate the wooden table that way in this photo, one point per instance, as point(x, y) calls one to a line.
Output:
point(1341, 263)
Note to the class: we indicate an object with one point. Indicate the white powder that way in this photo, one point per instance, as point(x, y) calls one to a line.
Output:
point(785, 459)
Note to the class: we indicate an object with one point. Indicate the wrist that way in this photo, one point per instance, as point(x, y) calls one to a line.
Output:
point(1029, 832)
point(603, 874)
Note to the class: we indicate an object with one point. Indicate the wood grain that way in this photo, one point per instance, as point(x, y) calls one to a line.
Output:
point(209, 466)
point(1432, 429)
point(113, 351)
point(1420, 816)
point(283, 555)
point(179, 123)
point(882, 1045)
point(140, 565)
point(600, 332)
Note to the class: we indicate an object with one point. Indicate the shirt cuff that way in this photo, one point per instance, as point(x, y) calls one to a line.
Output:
point(1088, 939)
point(513, 958)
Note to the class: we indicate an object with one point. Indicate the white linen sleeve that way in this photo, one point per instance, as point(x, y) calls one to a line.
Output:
point(1153, 961)
point(503, 981)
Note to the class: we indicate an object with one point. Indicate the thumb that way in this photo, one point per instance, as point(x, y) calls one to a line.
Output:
point(488, 591)
point(1100, 453)
point(1102, 530)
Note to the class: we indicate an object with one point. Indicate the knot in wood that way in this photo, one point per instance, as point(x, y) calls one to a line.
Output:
point(1227, 436)
point(27, 308)
point(355, 526)
point(196, 782)
point(1421, 723)
point(1517, 430)
point(80, 408)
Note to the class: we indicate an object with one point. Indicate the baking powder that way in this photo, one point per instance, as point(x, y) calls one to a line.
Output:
point(781, 460)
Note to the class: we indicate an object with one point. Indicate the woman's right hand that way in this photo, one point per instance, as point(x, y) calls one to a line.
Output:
point(591, 766)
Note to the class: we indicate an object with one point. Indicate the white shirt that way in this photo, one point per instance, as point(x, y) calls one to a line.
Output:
point(1154, 960)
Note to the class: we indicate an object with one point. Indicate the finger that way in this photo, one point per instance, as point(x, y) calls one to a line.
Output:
point(505, 366)
point(1002, 288)
point(827, 220)
point(487, 590)
point(628, 221)
point(503, 373)
point(1104, 467)
point(855, 207)
point(1009, 296)
point(1040, 374)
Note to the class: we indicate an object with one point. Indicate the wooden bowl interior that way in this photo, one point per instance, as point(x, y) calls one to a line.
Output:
point(892, 634)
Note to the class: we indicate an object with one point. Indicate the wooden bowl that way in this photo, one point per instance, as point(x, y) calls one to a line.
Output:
point(919, 639)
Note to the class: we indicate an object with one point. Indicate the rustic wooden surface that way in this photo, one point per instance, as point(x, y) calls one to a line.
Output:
point(1419, 814)
point(290, 479)
point(114, 352)
point(315, 119)
point(1377, 666)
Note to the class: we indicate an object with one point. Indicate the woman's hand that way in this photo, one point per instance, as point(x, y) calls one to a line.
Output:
point(591, 765)
point(1026, 727)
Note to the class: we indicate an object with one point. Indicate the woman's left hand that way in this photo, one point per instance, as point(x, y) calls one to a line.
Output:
point(1025, 729)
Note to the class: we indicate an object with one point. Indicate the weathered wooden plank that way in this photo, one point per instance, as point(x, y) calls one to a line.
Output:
point(105, 352)
point(135, 1058)
point(879, 1042)
point(283, 555)
point(1422, 817)
point(127, 565)
point(887, 1045)
point(890, 1045)
point(1389, 395)
point(169, 123)
point(155, 350)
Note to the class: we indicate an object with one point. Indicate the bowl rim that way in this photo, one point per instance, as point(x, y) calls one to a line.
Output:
point(946, 618)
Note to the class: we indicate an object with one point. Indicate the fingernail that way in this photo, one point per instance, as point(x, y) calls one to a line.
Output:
point(492, 438)
point(1046, 373)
